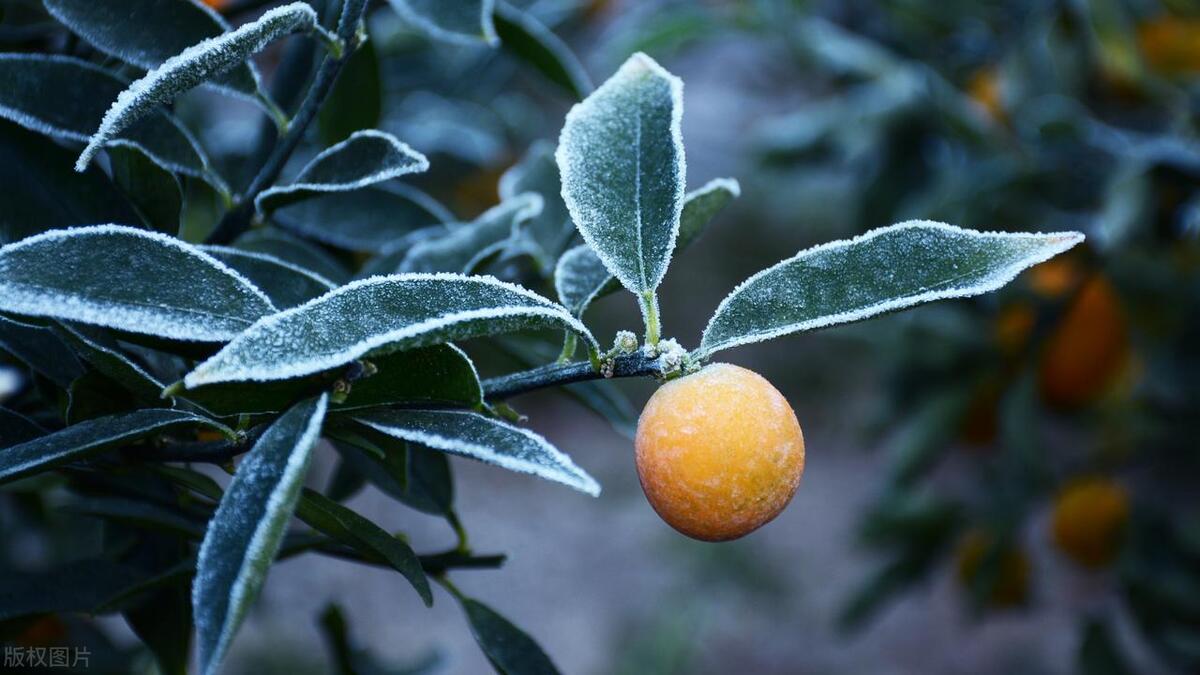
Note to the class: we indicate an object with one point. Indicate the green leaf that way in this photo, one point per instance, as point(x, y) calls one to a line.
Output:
point(102, 352)
point(463, 22)
point(40, 349)
point(365, 220)
point(66, 98)
point(16, 428)
point(366, 158)
point(416, 476)
point(102, 276)
point(441, 374)
point(396, 312)
point(509, 649)
point(162, 29)
point(52, 195)
point(86, 439)
point(622, 165)
point(467, 245)
point(193, 66)
point(343, 524)
point(282, 245)
point(248, 527)
point(489, 440)
point(92, 396)
point(537, 45)
point(581, 277)
point(1098, 651)
point(286, 284)
point(356, 101)
point(537, 172)
point(881, 271)
point(155, 192)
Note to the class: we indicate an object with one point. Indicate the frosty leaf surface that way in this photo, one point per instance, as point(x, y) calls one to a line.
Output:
point(65, 97)
point(366, 158)
point(461, 249)
point(245, 532)
point(97, 275)
point(146, 33)
point(40, 349)
point(286, 284)
point(537, 172)
point(365, 220)
point(193, 66)
point(101, 350)
point(581, 276)
point(280, 244)
point(881, 271)
point(394, 312)
point(85, 439)
point(464, 22)
point(621, 159)
point(479, 437)
point(531, 41)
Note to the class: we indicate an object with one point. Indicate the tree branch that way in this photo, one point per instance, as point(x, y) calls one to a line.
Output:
point(558, 374)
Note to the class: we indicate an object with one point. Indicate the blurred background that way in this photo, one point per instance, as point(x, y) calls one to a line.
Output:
point(1007, 484)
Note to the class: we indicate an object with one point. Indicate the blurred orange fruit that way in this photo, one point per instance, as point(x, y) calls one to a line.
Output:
point(47, 630)
point(1089, 519)
point(719, 452)
point(1171, 44)
point(1011, 585)
point(216, 4)
point(1013, 327)
point(1088, 349)
point(984, 89)
point(1055, 278)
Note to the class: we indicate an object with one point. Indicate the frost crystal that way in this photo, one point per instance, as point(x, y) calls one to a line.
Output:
point(625, 342)
point(671, 357)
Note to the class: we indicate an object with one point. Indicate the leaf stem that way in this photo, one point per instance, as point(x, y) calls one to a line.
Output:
point(558, 374)
point(237, 220)
point(649, 302)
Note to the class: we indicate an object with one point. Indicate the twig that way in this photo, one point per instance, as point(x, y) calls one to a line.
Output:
point(558, 374)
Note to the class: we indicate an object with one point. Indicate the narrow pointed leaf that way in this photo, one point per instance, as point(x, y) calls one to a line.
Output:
point(622, 164)
point(101, 350)
point(537, 172)
point(88, 438)
point(489, 440)
point(248, 527)
point(396, 312)
point(523, 35)
point(365, 220)
point(287, 285)
point(366, 158)
point(40, 349)
point(343, 524)
point(146, 33)
point(508, 648)
point(581, 276)
point(881, 271)
point(66, 98)
point(464, 22)
point(465, 245)
point(97, 275)
point(193, 66)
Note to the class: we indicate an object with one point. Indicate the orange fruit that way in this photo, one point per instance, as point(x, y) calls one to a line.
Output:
point(1088, 349)
point(1010, 587)
point(984, 89)
point(1170, 44)
point(1089, 519)
point(1055, 278)
point(216, 4)
point(719, 452)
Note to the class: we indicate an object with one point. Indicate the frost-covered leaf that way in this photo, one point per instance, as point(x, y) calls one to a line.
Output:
point(286, 284)
point(146, 33)
point(153, 191)
point(86, 439)
point(280, 244)
point(441, 374)
point(30, 167)
point(366, 220)
point(345, 525)
point(471, 434)
point(366, 158)
point(523, 35)
point(396, 312)
point(509, 649)
point(40, 349)
point(248, 527)
point(16, 428)
point(581, 277)
point(881, 271)
point(414, 475)
point(102, 275)
point(462, 21)
point(101, 350)
point(537, 172)
point(66, 98)
point(465, 246)
point(621, 158)
point(193, 66)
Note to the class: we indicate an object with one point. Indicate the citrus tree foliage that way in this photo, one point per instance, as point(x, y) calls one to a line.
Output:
point(168, 318)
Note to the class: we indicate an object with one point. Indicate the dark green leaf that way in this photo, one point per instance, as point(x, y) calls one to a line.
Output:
point(417, 476)
point(1098, 653)
point(436, 374)
point(248, 527)
point(40, 349)
point(102, 352)
point(153, 191)
point(466, 245)
point(365, 220)
point(296, 251)
point(92, 395)
point(464, 22)
point(81, 586)
point(533, 43)
point(537, 172)
point(286, 284)
point(356, 101)
point(16, 428)
point(509, 649)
